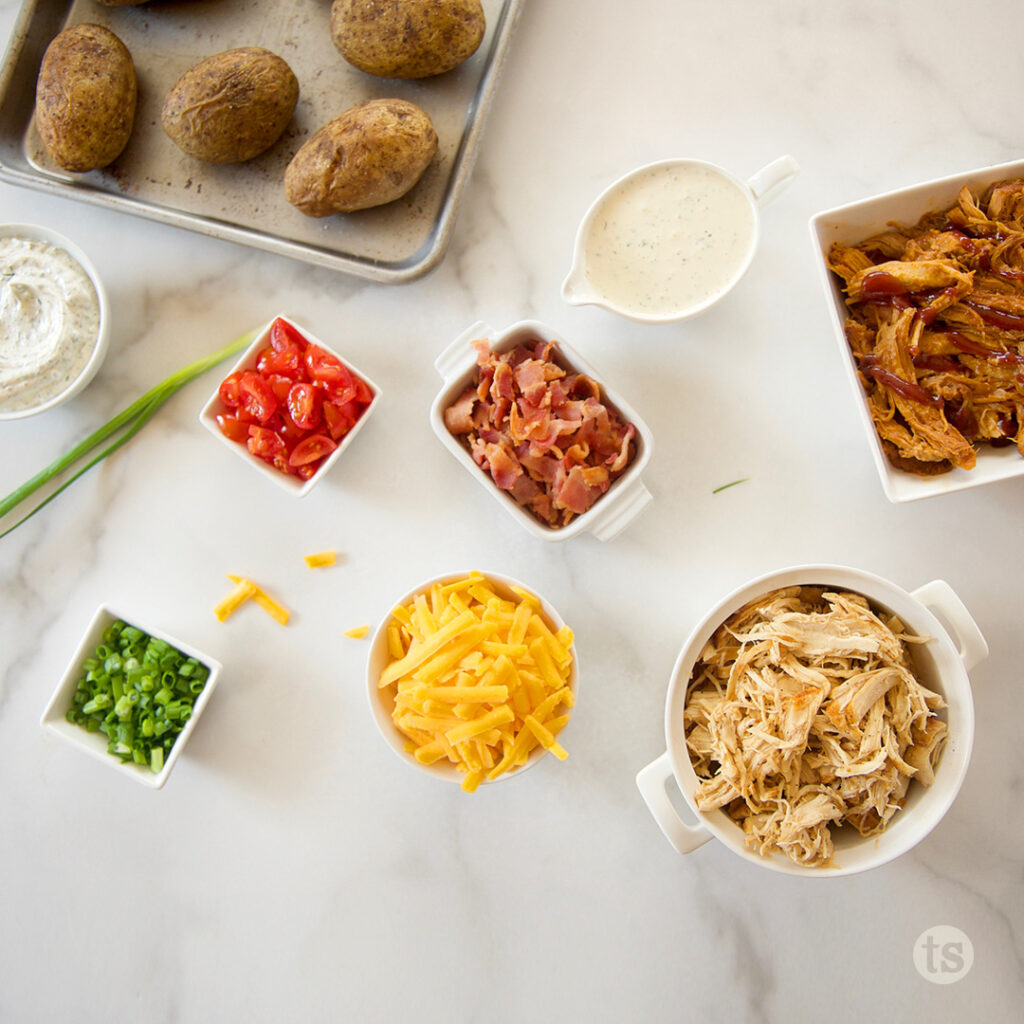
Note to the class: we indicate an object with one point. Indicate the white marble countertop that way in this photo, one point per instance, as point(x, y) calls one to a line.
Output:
point(293, 868)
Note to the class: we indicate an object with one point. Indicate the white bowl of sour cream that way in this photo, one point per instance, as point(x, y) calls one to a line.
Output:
point(670, 239)
point(54, 320)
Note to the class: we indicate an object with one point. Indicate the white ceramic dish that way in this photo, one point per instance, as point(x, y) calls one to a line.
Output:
point(214, 407)
point(37, 233)
point(857, 221)
point(613, 511)
point(942, 665)
point(578, 288)
point(95, 743)
point(382, 703)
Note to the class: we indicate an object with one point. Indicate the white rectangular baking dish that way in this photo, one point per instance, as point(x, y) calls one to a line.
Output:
point(613, 511)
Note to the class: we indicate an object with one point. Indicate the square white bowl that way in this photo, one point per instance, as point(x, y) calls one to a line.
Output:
point(617, 507)
point(853, 223)
point(214, 407)
point(95, 743)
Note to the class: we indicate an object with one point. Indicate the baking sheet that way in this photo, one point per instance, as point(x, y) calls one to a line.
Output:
point(245, 202)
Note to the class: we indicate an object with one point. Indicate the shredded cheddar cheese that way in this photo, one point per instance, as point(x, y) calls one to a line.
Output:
point(245, 590)
point(321, 559)
point(477, 677)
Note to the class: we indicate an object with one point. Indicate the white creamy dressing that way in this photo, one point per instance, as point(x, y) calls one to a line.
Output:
point(669, 240)
point(49, 322)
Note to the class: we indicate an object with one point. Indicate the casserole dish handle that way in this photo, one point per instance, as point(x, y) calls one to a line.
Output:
point(618, 510)
point(458, 356)
point(651, 782)
point(942, 601)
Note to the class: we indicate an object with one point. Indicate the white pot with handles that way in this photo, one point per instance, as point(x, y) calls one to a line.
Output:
point(942, 664)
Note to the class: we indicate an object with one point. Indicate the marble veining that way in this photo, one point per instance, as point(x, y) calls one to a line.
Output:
point(293, 868)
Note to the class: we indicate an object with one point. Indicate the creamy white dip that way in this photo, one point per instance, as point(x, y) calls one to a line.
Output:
point(669, 240)
point(49, 322)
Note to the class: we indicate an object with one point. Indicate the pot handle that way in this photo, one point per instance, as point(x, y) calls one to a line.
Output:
point(455, 359)
point(770, 181)
point(940, 598)
point(651, 782)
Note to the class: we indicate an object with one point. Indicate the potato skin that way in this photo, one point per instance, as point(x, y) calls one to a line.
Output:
point(231, 106)
point(407, 38)
point(369, 155)
point(85, 98)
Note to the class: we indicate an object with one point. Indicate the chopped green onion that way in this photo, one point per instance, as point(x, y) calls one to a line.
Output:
point(116, 698)
point(129, 422)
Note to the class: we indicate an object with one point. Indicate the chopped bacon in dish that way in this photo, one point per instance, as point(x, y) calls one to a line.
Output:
point(541, 430)
point(803, 714)
point(937, 329)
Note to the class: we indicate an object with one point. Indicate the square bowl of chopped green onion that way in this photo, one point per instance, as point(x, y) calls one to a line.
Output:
point(131, 696)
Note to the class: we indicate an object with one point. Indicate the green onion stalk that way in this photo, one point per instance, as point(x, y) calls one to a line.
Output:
point(126, 424)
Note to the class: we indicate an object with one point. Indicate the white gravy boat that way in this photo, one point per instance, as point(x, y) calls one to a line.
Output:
point(579, 288)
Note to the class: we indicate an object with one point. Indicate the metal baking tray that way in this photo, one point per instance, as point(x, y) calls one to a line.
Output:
point(245, 202)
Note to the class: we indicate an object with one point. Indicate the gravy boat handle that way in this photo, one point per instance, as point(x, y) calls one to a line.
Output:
point(771, 181)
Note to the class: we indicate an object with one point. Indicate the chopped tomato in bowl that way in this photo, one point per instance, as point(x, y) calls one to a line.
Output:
point(290, 405)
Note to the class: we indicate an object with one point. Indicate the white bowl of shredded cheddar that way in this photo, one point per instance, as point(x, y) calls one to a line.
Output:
point(471, 678)
point(819, 720)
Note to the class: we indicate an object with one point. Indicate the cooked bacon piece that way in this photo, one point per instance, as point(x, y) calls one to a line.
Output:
point(951, 286)
point(458, 418)
point(541, 431)
point(505, 468)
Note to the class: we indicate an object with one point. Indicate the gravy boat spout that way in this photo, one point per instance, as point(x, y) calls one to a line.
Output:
point(578, 291)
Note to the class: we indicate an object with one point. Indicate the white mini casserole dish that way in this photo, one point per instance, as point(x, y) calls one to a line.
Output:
point(624, 500)
point(853, 223)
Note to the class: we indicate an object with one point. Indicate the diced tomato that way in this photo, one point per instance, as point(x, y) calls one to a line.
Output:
point(280, 386)
point(304, 406)
point(363, 393)
point(265, 443)
point(326, 368)
point(233, 428)
point(339, 418)
point(308, 470)
point(286, 362)
point(255, 396)
point(283, 336)
point(229, 389)
point(287, 428)
point(280, 463)
point(314, 447)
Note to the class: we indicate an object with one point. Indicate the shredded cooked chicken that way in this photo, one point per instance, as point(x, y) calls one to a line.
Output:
point(937, 328)
point(803, 714)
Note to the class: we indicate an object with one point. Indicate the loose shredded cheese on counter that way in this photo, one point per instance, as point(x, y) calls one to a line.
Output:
point(245, 590)
point(321, 559)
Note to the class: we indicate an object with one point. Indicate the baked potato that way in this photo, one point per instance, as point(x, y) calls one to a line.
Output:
point(369, 155)
point(231, 106)
point(85, 98)
point(407, 38)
